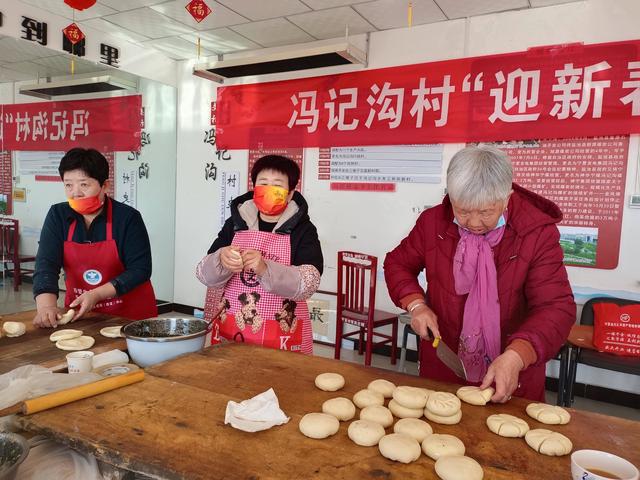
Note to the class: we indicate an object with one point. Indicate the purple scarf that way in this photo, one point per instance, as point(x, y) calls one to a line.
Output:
point(474, 272)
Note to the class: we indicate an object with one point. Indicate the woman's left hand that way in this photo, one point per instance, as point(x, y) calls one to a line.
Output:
point(504, 372)
point(86, 301)
point(252, 260)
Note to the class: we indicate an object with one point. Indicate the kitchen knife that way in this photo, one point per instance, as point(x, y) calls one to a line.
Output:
point(450, 358)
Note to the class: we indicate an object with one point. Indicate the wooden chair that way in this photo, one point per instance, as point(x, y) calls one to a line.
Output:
point(10, 252)
point(356, 301)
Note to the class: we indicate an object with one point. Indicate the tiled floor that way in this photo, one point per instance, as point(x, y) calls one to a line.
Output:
point(23, 300)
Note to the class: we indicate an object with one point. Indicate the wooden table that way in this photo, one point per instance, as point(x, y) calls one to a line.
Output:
point(34, 347)
point(172, 424)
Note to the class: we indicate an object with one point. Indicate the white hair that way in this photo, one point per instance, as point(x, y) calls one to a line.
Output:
point(479, 176)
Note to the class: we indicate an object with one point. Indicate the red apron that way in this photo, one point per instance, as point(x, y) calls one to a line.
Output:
point(248, 313)
point(90, 265)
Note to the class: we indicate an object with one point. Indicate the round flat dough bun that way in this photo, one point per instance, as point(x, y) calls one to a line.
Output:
point(378, 414)
point(444, 404)
point(404, 412)
point(507, 425)
point(78, 343)
point(458, 468)
point(14, 329)
point(329, 382)
point(474, 395)
point(385, 387)
point(547, 442)
point(65, 334)
point(410, 397)
point(366, 398)
point(450, 420)
point(111, 332)
point(341, 408)
point(365, 432)
point(418, 429)
point(548, 414)
point(442, 445)
point(318, 425)
point(66, 317)
point(399, 447)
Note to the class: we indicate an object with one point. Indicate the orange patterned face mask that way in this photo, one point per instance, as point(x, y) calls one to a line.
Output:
point(269, 199)
point(86, 205)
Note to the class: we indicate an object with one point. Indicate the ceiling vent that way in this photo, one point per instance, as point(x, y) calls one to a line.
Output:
point(292, 59)
point(77, 86)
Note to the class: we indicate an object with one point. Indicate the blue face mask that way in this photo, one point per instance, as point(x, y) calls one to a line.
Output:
point(501, 222)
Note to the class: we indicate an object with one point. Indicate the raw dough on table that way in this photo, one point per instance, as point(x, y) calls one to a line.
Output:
point(378, 414)
point(67, 317)
point(365, 432)
point(442, 445)
point(340, 407)
point(404, 412)
point(399, 447)
point(410, 397)
point(366, 398)
point(329, 382)
point(549, 414)
point(77, 343)
point(507, 425)
point(14, 329)
point(459, 468)
point(450, 420)
point(111, 332)
point(65, 334)
point(318, 425)
point(474, 395)
point(418, 429)
point(385, 387)
point(443, 404)
point(547, 442)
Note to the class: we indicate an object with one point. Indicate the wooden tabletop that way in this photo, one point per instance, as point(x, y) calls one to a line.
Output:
point(582, 336)
point(172, 424)
point(34, 347)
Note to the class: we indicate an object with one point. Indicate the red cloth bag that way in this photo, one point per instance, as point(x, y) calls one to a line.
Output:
point(616, 329)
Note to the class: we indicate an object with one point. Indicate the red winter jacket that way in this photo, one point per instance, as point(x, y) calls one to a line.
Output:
point(536, 302)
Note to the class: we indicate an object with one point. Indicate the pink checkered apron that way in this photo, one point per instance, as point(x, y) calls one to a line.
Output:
point(245, 312)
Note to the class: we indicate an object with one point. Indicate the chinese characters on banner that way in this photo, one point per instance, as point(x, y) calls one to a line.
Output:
point(229, 189)
point(127, 188)
point(295, 154)
point(552, 92)
point(586, 178)
point(107, 124)
point(6, 183)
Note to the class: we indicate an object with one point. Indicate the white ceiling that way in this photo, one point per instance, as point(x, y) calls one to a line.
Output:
point(236, 25)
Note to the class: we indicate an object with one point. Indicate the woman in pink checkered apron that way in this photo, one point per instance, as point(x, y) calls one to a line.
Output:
point(265, 263)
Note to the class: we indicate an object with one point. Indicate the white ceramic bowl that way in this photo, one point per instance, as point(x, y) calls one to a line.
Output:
point(582, 461)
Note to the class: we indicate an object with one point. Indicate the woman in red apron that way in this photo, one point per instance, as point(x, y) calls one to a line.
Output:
point(102, 244)
point(265, 263)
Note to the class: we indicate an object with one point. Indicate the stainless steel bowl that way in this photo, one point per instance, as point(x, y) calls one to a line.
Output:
point(13, 450)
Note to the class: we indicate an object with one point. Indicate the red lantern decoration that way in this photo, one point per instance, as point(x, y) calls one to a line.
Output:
point(73, 33)
point(80, 4)
point(198, 10)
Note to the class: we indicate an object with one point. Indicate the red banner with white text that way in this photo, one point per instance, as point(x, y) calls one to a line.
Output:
point(106, 124)
point(561, 91)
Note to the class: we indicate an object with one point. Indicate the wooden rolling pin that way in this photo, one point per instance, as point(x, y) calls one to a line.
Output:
point(72, 394)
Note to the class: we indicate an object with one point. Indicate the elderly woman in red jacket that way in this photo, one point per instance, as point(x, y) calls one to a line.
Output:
point(497, 290)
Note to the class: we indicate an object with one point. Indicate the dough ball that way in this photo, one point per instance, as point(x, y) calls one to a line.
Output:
point(366, 398)
point(458, 467)
point(329, 382)
point(507, 425)
point(399, 447)
point(410, 397)
point(385, 387)
point(14, 329)
point(443, 404)
point(450, 420)
point(442, 445)
point(65, 334)
point(67, 317)
point(475, 396)
point(404, 412)
point(365, 432)
point(378, 414)
point(547, 442)
point(77, 343)
point(111, 332)
point(418, 429)
point(549, 414)
point(341, 408)
point(318, 425)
